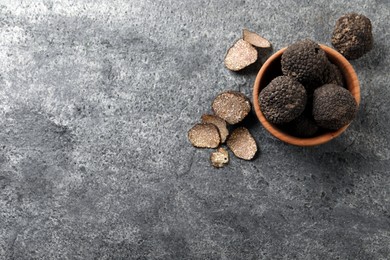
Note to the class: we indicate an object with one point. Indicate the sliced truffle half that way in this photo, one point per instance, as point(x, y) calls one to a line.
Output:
point(231, 106)
point(240, 55)
point(204, 135)
point(218, 122)
point(242, 144)
point(255, 39)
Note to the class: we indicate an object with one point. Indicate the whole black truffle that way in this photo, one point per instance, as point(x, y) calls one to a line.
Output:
point(352, 35)
point(305, 61)
point(333, 75)
point(303, 126)
point(333, 106)
point(283, 100)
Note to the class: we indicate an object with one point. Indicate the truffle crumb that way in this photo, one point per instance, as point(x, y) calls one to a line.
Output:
point(219, 158)
point(242, 144)
point(219, 123)
point(204, 135)
point(333, 106)
point(352, 35)
point(282, 100)
point(305, 61)
point(240, 55)
point(255, 39)
point(232, 106)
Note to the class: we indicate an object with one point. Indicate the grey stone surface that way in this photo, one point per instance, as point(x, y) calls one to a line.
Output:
point(96, 98)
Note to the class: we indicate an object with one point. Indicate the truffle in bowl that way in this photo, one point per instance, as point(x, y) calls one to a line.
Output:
point(298, 126)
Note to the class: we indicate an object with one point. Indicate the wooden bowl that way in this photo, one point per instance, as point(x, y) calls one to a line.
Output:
point(272, 69)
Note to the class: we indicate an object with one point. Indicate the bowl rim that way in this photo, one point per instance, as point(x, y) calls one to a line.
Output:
point(352, 83)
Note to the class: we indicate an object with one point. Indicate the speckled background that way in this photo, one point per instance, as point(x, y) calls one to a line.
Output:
point(96, 98)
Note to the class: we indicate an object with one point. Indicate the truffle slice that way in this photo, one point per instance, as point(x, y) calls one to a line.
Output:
point(242, 144)
point(303, 126)
point(240, 55)
point(333, 75)
point(333, 106)
point(305, 61)
point(232, 106)
point(352, 35)
point(204, 135)
point(219, 123)
point(219, 158)
point(282, 100)
point(255, 39)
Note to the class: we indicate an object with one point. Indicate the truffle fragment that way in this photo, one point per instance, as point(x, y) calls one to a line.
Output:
point(204, 135)
point(219, 158)
point(305, 61)
point(219, 123)
point(240, 55)
point(232, 106)
point(303, 126)
point(352, 35)
point(282, 100)
point(255, 39)
point(333, 106)
point(242, 144)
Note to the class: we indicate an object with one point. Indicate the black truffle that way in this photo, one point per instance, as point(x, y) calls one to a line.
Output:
point(333, 106)
point(283, 100)
point(305, 61)
point(333, 75)
point(352, 35)
point(303, 126)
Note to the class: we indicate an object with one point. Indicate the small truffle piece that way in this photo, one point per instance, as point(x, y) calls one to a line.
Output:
point(352, 35)
point(231, 106)
point(305, 61)
point(242, 144)
point(219, 158)
point(333, 106)
point(282, 100)
point(255, 39)
point(303, 126)
point(333, 75)
point(204, 135)
point(240, 55)
point(219, 123)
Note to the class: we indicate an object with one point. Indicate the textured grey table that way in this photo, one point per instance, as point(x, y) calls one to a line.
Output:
point(95, 102)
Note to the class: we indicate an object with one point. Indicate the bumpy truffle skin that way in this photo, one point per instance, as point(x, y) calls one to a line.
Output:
point(283, 100)
point(303, 126)
point(352, 35)
point(333, 75)
point(305, 61)
point(333, 106)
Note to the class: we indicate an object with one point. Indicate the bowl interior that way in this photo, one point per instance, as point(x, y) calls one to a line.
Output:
point(272, 69)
